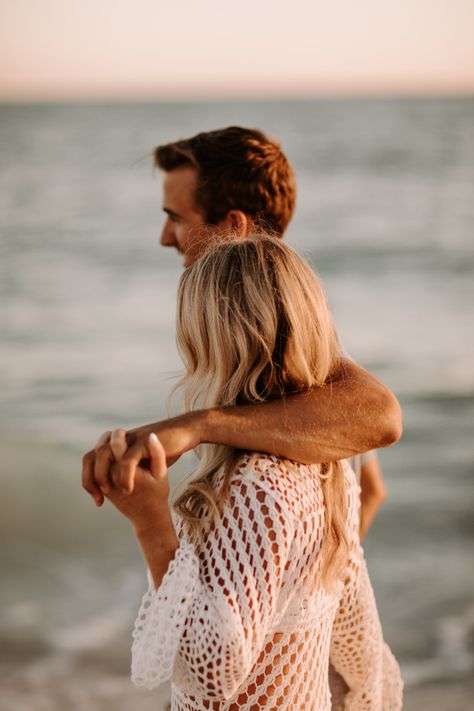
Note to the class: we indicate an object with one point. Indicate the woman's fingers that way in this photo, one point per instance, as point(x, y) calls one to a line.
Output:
point(128, 466)
point(158, 466)
point(114, 478)
point(115, 464)
point(153, 451)
point(97, 464)
point(118, 442)
point(103, 439)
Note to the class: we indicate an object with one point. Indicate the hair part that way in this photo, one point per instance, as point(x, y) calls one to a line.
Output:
point(253, 325)
point(238, 169)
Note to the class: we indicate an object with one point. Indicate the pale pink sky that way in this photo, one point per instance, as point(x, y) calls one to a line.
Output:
point(150, 49)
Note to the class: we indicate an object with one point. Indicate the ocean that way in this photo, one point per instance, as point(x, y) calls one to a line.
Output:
point(385, 215)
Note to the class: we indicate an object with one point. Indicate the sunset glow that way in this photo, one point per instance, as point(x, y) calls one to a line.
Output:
point(147, 49)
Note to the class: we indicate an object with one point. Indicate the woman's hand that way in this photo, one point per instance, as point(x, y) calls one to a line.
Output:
point(147, 506)
point(177, 435)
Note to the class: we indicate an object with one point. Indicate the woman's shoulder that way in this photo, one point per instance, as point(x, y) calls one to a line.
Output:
point(282, 478)
point(271, 465)
point(288, 482)
point(259, 466)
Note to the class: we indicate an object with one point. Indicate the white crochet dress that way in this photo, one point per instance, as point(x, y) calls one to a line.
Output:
point(243, 622)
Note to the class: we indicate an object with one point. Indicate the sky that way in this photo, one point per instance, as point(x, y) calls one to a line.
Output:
point(151, 49)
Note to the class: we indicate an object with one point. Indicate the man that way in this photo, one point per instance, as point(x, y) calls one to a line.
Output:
point(237, 179)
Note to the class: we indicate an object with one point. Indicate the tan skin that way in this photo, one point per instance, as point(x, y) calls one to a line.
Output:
point(350, 415)
point(372, 494)
point(147, 509)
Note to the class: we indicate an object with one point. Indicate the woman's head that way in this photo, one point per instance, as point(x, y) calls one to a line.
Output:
point(253, 324)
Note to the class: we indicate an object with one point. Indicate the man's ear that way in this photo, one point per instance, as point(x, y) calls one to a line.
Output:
point(238, 222)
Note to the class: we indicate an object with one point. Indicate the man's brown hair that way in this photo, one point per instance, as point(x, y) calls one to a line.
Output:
point(238, 169)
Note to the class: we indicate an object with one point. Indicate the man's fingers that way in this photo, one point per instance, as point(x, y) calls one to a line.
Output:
point(118, 442)
point(103, 439)
point(157, 457)
point(88, 481)
point(103, 459)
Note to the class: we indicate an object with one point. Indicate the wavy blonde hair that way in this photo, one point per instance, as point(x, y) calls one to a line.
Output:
point(253, 324)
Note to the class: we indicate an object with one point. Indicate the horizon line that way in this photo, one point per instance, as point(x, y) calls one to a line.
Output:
point(251, 97)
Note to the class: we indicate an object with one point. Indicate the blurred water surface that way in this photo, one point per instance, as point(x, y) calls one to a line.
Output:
point(385, 214)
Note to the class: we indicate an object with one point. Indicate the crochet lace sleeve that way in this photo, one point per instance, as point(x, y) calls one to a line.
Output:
point(358, 651)
point(161, 617)
point(204, 626)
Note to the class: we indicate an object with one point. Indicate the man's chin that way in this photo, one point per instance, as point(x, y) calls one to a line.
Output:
point(189, 259)
point(186, 260)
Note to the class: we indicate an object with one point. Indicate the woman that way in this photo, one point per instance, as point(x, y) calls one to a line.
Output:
point(259, 579)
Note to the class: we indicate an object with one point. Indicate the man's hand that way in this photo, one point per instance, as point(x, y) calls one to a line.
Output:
point(177, 435)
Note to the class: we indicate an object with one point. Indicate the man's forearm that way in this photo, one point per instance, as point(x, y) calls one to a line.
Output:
point(351, 415)
point(373, 494)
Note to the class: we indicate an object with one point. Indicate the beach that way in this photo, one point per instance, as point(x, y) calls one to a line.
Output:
point(385, 216)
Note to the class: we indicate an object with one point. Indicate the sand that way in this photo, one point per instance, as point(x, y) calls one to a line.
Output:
point(52, 685)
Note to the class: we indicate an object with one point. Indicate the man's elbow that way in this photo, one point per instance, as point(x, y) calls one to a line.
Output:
point(391, 426)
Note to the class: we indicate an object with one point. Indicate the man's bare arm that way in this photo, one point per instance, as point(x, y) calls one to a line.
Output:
point(350, 415)
point(373, 494)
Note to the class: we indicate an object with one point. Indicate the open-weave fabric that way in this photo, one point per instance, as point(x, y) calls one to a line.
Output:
point(243, 621)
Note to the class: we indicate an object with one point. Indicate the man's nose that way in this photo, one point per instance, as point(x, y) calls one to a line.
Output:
point(167, 238)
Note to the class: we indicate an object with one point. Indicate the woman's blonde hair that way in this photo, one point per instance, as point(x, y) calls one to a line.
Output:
point(253, 324)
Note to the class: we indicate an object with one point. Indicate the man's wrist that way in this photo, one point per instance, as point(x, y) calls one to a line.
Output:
point(204, 424)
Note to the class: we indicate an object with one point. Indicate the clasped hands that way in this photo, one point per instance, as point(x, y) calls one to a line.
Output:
point(130, 468)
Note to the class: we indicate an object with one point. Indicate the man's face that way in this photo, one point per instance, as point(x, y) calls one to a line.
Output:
point(185, 227)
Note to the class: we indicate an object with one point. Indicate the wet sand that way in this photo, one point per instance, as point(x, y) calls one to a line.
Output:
point(52, 685)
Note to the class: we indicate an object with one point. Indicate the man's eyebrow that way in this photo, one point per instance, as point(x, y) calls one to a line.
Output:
point(171, 213)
